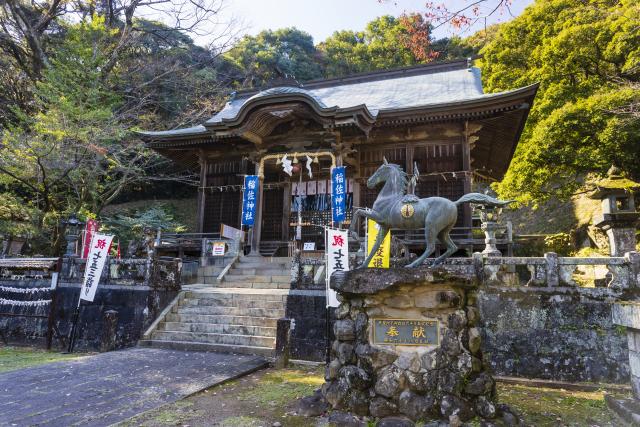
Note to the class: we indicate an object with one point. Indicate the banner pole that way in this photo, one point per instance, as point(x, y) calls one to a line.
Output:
point(326, 293)
point(74, 325)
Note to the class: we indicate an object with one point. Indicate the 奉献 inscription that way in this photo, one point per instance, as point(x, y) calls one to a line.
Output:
point(405, 332)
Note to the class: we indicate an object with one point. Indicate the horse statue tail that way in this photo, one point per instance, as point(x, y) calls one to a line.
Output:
point(481, 198)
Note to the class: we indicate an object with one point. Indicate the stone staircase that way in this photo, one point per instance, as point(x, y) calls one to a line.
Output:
point(237, 314)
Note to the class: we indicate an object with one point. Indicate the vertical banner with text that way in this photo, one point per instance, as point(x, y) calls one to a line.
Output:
point(339, 193)
point(381, 258)
point(91, 228)
point(337, 245)
point(250, 199)
point(98, 251)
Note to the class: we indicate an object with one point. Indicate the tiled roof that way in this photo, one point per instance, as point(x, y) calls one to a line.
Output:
point(429, 85)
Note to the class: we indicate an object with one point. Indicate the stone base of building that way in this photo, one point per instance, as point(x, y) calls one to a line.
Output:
point(407, 347)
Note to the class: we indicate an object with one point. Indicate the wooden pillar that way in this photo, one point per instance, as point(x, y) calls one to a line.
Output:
point(286, 211)
point(466, 166)
point(202, 191)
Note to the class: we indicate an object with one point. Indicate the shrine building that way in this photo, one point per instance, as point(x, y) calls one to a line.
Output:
point(435, 117)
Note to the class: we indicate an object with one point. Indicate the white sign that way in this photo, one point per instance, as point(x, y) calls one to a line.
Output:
point(302, 189)
point(311, 188)
point(218, 249)
point(100, 244)
point(337, 245)
point(309, 246)
point(322, 187)
point(230, 232)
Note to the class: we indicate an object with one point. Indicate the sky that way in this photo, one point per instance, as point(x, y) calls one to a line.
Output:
point(321, 18)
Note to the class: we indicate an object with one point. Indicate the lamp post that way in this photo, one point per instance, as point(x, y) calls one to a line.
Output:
point(619, 217)
point(72, 226)
point(489, 216)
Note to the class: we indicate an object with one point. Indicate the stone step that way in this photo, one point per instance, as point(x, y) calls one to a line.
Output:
point(217, 328)
point(222, 319)
point(234, 277)
point(255, 302)
point(229, 339)
point(228, 294)
point(246, 284)
point(251, 262)
point(201, 346)
point(232, 311)
point(267, 271)
point(209, 271)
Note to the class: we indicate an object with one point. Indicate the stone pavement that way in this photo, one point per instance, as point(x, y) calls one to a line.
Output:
point(104, 389)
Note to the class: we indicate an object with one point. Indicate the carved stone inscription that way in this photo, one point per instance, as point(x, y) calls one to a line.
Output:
point(405, 332)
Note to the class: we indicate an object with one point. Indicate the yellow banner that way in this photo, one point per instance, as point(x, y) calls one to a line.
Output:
point(381, 258)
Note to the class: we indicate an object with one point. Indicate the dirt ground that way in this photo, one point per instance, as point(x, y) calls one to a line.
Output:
point(268, 397)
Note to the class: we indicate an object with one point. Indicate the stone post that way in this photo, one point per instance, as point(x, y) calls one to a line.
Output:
point(627, 314)
point(553, 273)
point(283, 340)
point(633, 259)
point(109, 330)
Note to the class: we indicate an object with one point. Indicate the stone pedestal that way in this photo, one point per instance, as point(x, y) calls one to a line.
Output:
point(407, 345)
point(627, 314)
point(622, 239)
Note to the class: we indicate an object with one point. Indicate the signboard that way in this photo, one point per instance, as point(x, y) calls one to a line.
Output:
point(250, 199)
point(312, 188)
point(99, 249)
point(337, 244)
point(339, 193)
point(229, 232)
point(406, 331)
point(309, 246)
point(381, 258)
point(322, 187)
point(91, 228)
point(218, 248)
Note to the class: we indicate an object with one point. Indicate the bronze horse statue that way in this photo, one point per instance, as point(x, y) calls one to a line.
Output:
point(395, 209)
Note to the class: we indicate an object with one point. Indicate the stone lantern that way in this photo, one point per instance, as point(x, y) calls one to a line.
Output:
point(619, 216)
point(72, 225)
point(489, 215)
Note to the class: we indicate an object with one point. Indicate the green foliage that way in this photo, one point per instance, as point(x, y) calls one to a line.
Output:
point(274, 54)
point(130, 225)
point(16, 218)
point(382, 44)
point(586, 59)
point(560, 243)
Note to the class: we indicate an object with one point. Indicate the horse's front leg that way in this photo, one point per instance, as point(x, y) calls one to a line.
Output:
point(382, 232)
point(354, 222)
point(365, 213)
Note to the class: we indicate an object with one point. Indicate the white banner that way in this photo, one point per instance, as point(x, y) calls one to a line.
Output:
point(100, 244)
point(337, 244)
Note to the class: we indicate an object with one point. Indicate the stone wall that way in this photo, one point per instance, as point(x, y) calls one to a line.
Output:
point(137, 306)
point(561, 333)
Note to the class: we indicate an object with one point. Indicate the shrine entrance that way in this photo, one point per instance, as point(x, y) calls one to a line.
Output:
point(296, 208)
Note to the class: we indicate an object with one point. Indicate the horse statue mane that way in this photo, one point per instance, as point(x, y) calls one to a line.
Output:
point(404, 182)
